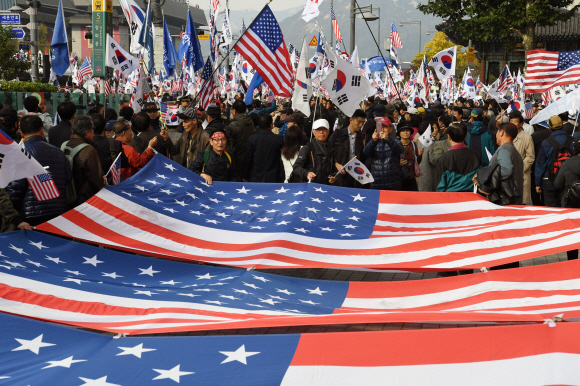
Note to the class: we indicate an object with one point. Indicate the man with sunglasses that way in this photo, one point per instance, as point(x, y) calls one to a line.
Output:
point(215, 164)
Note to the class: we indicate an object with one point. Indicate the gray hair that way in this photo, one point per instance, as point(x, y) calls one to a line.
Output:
point(81, 125)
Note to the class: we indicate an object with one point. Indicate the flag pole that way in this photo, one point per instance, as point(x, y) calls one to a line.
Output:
point(379, 47)
point(113, 164)
point(232, 48)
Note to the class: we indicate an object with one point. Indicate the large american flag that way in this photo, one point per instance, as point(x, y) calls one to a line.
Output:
point(86, 69)
point(43, 187)
point(166, 210)
point(264, 48)
point(58, 280)
point(39, 353)
point(208, 86)
point(505, 79)
point(395, 38)
point(337, 33)
point(547, 69)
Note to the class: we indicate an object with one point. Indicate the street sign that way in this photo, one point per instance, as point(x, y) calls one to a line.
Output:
point(9, 18)
point(102, 25)
point(313, 42)
point(203, 37)
point(470, 55)
point(18, 33)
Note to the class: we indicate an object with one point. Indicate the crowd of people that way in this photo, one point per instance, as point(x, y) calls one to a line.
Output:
point(467, 146)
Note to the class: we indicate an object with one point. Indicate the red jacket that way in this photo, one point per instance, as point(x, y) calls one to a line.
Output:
point(135, 160)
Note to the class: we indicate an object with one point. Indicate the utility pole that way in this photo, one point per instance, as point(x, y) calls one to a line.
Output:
point(33, 26)
point(331, 26)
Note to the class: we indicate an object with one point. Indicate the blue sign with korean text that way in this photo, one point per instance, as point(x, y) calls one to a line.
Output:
point(9, 18)
point(18, 33)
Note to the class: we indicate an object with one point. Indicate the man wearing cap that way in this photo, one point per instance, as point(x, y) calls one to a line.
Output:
point(263, 151)
point(544, 177)
point(282, 120)
point(215, 164)
point(525, 146)
point(192, 140)
point(131, 160)
point(184, 102)
point(478, 137)
point(9, 122)
point(140, 122)
point(316, 161)
point(348, 143)
point(214, 119)
point(151, 109)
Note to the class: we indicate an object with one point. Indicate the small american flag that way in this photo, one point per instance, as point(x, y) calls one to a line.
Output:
point(163, 111)
point(43, 187)
point(505, 79)
point(116, 170)
point(335, 26)
point(108, 89)
point(546, 96)
point(264, 48)
point(86, 69)
point(529, 112)
point(208, 87)
point(395, 38)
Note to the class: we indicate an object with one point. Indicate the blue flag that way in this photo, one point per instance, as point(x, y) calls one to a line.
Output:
point(146, 39)
point(320, 45)
point(190, 46)
point(169, 53)
point(59, 44)
point(256, 81)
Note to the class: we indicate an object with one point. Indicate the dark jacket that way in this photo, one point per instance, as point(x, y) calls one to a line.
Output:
point(544, 159)
point(87, 170)
point(22, 196)
point(143, 138)
point(242, 128)
point(9, 217)
point(155, 125)
point(103, 146)
point(385, 158)
point(215, 125)
point(262, 158)
point(455, 169)
point(315, 157)
point(568, 173)
point(59, 133)
point(568, 128)
point(478, 139)
point(218, 167)
point(341, 143)
point(186, 148)
point(502, 189)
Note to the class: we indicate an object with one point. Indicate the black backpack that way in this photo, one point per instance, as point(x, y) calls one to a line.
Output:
point(572, 196)
point(560, 154)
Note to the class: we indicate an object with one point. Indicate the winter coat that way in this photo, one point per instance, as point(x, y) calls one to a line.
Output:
point(267, 110)
point(262, 158)
point(59, 133)
point(478, 139)
point(340, 141)
point(144, 137)
point(9, 217)
point(426, 181)
point(103, 146)
point(20, 192)
point(216, 124)
point(87, 170)
point(524, 144)
point(131, 160)
point(385, 169)
point(568, 173)
point(186, 148)
point(503, 190)
point(544, 159)
point(316, 157)
point(218, 167)
point(456, 168)
point(242, 128)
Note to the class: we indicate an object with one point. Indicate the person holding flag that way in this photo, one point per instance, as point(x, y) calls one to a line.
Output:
point(385, 154)
point(348, 144)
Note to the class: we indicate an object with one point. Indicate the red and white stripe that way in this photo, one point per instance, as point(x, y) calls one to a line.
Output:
point(531, 294)
point(276, 69)
point(498, 356)
point(416, 231)
point(542, 72)
point(207, 93)
point(43, 190)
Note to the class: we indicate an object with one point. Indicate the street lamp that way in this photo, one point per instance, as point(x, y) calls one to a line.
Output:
point(413, 22)
point(365, 13)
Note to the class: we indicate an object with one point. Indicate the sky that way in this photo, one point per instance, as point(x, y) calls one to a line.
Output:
point(276, 5)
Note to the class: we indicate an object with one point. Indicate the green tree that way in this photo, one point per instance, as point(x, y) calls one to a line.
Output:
point(438, 43)
point(482, 20)
point(9, 65)
point(43, 43)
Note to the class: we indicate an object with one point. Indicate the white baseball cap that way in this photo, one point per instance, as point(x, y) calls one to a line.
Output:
point(320, 123)
point(412, 110)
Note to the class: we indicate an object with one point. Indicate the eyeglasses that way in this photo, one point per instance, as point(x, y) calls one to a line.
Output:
point(219, 139)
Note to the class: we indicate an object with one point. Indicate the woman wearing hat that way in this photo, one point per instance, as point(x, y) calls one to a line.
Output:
point(410, 155)
point(385, 154)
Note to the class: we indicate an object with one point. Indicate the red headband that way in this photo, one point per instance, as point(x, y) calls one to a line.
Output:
point(218, 134)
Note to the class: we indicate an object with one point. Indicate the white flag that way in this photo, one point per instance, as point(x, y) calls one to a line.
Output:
point(137, 100)
point(347, 87)
point(444, 63)
point(15, 162)
point(358, 171)
point(426, 138)
point(134, 15)
point(226, 30)
point(303, 85)
point(354, 58)
point(119, 59)
point(311, 10)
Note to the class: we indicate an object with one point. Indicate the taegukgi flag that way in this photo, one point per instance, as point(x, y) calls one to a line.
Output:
point(15, 162)
point(444, 63)
point(358, 171)
point(119, 59)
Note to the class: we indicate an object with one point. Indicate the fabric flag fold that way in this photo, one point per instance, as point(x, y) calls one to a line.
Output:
point(15, 162)
point(547, 69)
point(119, 59)
point(189, 48)
point(444, 63)
point(135, 18)
point(311, 10)
point(170, 57)
point(147, 39)
point(348, 87)
point(303, 86)
point(358, 171)
point(59, 45)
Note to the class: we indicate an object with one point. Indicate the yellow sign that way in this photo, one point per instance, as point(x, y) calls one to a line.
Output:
point(203, 37)
point(98, 6)
point(109, 6)
point(313, 42)
point(470, 54)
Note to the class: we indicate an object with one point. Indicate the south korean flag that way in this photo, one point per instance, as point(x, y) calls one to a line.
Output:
point(444, 63)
